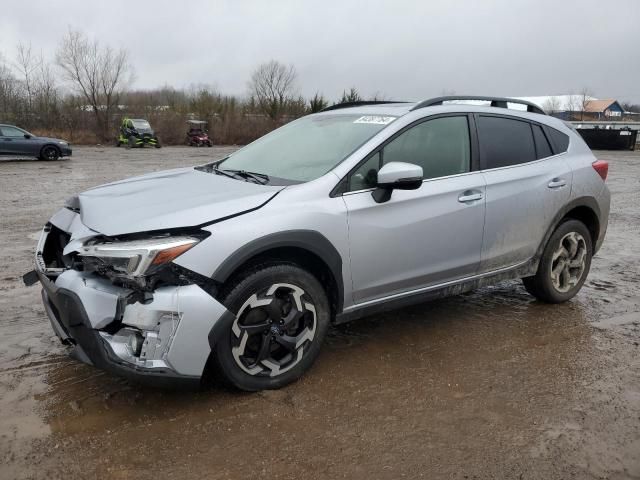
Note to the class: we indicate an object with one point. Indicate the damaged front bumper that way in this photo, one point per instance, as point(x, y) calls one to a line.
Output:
point(162, 338)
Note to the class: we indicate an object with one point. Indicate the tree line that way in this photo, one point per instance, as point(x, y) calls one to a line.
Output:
point(85, 90)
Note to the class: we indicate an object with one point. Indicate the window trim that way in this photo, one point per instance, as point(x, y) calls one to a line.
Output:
point(342, 186)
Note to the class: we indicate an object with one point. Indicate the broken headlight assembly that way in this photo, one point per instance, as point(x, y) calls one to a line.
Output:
point(133, 259)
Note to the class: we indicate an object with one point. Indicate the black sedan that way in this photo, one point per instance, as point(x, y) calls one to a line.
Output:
point(17, 142)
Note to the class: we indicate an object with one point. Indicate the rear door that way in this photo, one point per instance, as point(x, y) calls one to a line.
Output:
point(526, 187)
point(420, 237)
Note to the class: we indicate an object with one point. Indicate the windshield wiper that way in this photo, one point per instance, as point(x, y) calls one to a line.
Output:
point(261, 178)
point(219, 171)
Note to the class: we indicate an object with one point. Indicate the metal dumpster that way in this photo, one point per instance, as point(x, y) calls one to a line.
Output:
point(609, 139)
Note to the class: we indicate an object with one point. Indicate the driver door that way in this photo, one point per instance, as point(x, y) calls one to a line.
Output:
point(424, 237)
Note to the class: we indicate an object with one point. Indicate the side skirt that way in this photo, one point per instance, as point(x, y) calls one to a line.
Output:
point(437, 291)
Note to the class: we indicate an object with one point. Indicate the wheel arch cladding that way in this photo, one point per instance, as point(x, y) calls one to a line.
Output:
point(307, 248)
point(584, 209)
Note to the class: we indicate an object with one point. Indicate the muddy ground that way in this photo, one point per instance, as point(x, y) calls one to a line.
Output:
point(490, 384)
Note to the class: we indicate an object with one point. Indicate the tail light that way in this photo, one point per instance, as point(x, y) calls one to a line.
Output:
point(601, 167)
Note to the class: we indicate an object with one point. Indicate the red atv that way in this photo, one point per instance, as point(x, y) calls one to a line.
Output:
point(197, 135)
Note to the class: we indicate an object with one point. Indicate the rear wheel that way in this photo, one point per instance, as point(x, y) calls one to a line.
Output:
point(564, 264)
point(50, 153)
point(282, 315)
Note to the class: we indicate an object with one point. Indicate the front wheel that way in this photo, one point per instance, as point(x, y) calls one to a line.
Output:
point(50, 153)
point(564, 264)
point(281, 317)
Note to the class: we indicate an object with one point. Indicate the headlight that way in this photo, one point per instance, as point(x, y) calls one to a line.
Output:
point(138, 257)
point(62, 142)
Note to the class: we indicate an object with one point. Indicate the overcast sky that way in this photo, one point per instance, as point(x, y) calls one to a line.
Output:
point(400, 49)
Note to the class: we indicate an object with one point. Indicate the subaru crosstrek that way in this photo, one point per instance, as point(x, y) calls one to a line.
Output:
point(238, 267)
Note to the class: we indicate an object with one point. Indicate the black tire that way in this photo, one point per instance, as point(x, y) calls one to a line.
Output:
point(118, 143)
point(550, 287)
point(264, 334)
point(131, 141)
point(157, 145)
point(50, 153)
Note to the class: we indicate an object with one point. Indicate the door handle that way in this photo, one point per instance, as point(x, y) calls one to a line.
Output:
point(469, 196)
point(557, 183)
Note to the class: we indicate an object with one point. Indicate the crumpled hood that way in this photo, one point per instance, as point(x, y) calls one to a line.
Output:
point(182, 197)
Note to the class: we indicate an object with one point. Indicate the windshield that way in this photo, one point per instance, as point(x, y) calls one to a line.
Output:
point(140, 124)
point(307, 148)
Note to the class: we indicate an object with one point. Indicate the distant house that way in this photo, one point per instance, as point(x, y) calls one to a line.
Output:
point(603, 109)
point(579, 107)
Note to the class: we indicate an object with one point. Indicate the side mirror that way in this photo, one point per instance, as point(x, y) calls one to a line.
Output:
point(396, 175)
point(27, 136)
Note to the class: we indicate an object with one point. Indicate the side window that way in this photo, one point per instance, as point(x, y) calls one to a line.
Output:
point(543, 149)
point(12, 132)
point(559, 140)
point(366, 175)
point(440, 146)
point(504, 142)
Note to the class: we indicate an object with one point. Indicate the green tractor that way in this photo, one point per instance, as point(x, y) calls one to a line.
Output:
point(136, 132)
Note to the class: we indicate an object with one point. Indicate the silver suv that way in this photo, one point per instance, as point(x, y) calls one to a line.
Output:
point(239, 267)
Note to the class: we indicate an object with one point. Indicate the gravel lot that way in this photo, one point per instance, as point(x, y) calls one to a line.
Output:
point(489, 384)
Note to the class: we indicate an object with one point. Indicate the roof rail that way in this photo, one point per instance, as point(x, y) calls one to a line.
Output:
point(358, 103)
point(500, 102)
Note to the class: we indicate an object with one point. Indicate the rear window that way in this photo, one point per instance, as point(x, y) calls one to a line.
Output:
point(543, 149)
point(504, 142)
point(559, 140)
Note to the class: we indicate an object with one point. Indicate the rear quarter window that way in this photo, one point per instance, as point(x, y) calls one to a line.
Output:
point(559, 140)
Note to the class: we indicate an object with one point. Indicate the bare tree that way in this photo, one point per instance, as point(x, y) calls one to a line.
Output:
point(9, 92)
point(583, 101)
point(272, 85)
point(99, 75)
point(573, 105)
point(47, 92)
point(552, 105)
point(27, 64)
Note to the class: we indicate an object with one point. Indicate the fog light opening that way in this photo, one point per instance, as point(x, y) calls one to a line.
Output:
point(135, 342)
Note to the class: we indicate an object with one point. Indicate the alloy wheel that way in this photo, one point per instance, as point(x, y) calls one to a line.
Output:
point(568, 262)
point(50, 153)
point(272, 330)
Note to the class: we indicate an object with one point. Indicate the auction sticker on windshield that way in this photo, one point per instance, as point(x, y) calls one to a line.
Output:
point(377, 119)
